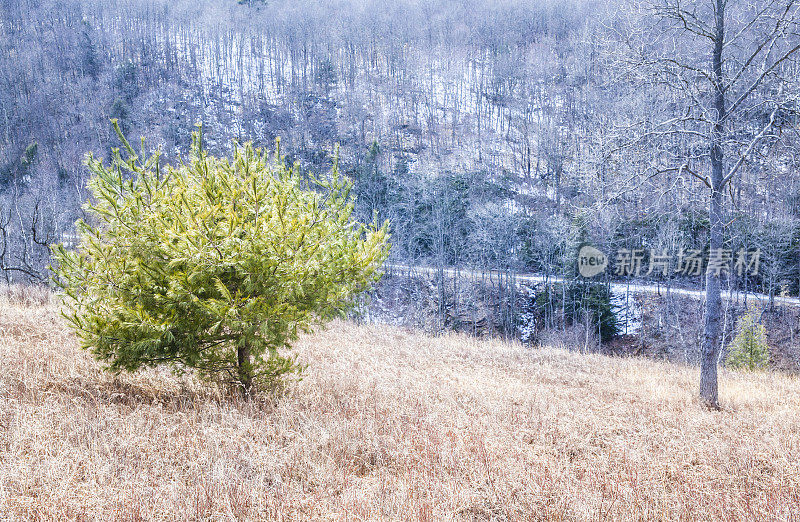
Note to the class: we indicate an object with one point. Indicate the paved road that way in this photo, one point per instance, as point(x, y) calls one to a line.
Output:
point(616, 288)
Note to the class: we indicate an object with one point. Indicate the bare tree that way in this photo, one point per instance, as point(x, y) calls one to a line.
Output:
point(720, 72)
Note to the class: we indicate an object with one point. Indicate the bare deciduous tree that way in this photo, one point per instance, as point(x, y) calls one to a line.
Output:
point(720, 73)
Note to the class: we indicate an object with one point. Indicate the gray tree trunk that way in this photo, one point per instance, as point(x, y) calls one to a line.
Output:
point(713, 307)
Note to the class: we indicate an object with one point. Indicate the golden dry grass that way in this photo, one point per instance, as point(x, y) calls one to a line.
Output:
point(389, 424)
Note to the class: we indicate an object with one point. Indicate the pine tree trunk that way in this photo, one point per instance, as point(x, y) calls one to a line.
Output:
point(244, 369)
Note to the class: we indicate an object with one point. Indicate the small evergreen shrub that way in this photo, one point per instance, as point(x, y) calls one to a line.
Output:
point(215, 265)
point(749, 349)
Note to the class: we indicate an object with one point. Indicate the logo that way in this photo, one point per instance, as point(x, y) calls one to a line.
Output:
point(591, 261)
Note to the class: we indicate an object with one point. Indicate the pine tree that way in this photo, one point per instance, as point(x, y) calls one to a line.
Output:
point(215, 265)
point(749, 349)
point(90, 63)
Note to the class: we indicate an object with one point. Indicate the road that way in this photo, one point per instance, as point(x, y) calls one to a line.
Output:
point(616, 288)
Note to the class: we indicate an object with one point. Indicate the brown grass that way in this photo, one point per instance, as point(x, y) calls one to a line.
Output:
point(389, 424)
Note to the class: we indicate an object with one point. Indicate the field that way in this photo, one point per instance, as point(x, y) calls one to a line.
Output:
point(388, 424)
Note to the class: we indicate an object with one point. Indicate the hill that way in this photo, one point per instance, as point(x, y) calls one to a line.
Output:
point(388, 424)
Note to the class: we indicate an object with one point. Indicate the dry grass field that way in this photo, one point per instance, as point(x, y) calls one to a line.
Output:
point(388, 425)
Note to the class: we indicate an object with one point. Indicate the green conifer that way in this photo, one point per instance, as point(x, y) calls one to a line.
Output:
point(215, 265)
point(749, 349)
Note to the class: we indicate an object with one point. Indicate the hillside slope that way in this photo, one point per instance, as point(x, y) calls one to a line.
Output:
point(389, 424)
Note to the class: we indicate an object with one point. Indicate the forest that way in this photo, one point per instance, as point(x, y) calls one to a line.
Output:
point(490, 134)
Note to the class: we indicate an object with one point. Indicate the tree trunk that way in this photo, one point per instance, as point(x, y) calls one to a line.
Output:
point(713, 309)
point(244, 369)
point(713, 306)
